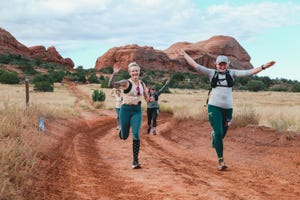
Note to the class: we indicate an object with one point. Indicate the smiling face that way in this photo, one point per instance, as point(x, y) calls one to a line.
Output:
point(134, 72)
point(222, 63)
point(222, 66)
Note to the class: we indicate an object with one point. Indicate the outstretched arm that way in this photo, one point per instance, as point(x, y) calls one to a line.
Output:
point(263, 67)
point(163, 88)
point(193, 63)
point(120, 84)
point(188, 58)
point(146, 96)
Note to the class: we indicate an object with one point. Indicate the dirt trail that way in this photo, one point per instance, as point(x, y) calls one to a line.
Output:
point(88, 161)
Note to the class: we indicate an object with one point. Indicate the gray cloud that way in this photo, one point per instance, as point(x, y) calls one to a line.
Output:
point(78, 24)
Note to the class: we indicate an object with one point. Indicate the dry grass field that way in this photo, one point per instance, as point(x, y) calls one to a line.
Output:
point(21, 141)
point(20, 138)
point(279, 110)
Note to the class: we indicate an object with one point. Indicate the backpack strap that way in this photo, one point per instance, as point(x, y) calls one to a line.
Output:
point(215, 82)
point(130, 86)
point(127, 90)
point(209, 91)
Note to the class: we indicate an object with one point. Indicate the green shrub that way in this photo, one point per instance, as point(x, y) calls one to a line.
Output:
point(56, 76)
point(43, 78)
point(5, 59)
point(104, 83)
point(9, 77)
point(98, 95)
point(107, 70)
point(279, 88)
point(255, 85)
point(101, 78)
point(93, 78)
point(296, 87)
point(43, 86)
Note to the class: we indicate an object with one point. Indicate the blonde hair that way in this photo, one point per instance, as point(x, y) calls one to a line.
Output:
point(133, 64)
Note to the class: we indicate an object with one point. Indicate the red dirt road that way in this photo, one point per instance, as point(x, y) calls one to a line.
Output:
point(87, 160)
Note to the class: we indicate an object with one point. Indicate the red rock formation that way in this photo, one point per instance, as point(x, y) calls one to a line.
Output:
point(204, 52)
point(9, 45)
point(146, 57)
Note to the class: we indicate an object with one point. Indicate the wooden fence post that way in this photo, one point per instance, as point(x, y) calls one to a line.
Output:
point(27, 91)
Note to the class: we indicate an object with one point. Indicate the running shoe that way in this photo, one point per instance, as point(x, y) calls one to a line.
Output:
point(135, 165)
point(222, 166)
point(154, 131)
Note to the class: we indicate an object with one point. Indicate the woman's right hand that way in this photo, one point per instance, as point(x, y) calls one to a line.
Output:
point(116, 68)
point(180, 52)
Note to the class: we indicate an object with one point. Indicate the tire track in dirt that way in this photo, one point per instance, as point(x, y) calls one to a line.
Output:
point(183, 156)
point(91, 162)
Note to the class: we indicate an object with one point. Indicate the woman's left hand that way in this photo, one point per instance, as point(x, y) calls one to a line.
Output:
point(269, 64)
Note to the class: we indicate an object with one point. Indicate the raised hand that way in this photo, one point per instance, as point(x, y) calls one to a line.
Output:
point(269, 64)
point(116, 68)
point(180, 52)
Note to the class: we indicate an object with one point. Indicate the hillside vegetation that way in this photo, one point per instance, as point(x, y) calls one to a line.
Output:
point(15, 68)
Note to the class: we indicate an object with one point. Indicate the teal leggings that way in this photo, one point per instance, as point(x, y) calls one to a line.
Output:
point(130, 115)
point(220, 119)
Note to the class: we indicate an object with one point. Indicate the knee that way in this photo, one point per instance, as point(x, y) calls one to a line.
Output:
point(218, 135)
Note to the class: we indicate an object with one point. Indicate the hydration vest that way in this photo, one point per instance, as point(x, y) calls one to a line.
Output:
point(216, 82)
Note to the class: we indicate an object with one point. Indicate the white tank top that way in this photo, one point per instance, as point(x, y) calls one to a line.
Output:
point(135, 93)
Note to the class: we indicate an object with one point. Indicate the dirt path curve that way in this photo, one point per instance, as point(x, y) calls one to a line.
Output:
point(89, 161)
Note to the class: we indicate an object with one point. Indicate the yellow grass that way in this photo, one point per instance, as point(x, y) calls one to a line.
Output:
point(60, 102)
point(20, 139)
point(279, 110)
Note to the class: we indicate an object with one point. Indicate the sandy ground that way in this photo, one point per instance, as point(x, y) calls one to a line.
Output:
point(87, 160)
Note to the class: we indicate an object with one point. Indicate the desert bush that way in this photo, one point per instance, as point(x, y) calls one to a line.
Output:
point(296, 87)
point(93, 78)
point(104, 83)
point(279, 88)
point(43, 86)
point(107, 70)
point(9, 77)
point(56, 76)
point(43, 78)
point(43, 83)
point(255, 85)
point(98, 95)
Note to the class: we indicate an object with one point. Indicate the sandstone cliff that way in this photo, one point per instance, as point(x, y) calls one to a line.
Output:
point(204, 52)
point(9, 45)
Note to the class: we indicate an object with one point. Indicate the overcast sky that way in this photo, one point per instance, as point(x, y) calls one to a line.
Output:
point(85, 29)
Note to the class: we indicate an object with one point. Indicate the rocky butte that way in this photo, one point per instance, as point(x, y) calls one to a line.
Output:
point(9, 45)
point(204, 52)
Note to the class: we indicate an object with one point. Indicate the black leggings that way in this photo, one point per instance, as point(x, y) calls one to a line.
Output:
point(152, 114)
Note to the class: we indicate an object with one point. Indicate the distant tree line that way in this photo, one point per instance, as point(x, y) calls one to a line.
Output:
point(183, 80)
